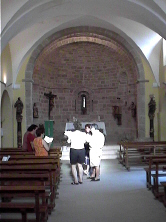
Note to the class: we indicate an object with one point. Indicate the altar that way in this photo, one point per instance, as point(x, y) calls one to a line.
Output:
point(101, 125)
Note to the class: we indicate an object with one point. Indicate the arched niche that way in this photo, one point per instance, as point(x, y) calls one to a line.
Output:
point(6, 121)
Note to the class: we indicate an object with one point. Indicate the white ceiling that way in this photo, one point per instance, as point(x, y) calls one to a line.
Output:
point(25, 23)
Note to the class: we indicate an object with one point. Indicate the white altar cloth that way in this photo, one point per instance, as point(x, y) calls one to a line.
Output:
point(101, 125)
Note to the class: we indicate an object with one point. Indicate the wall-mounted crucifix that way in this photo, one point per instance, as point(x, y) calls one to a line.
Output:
point(51, 97)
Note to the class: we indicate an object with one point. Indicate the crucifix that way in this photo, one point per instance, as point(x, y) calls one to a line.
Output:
point(51, 97)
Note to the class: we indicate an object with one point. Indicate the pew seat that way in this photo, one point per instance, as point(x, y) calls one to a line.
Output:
point(36, 207)
point(164, 196)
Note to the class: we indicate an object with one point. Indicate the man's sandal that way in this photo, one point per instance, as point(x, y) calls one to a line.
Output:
point(95, 179)
point(73, 183)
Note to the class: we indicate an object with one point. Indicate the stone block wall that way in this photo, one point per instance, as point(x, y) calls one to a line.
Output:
point(107, 76)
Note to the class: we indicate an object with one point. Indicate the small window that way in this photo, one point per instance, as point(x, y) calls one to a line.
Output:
point(83, 104)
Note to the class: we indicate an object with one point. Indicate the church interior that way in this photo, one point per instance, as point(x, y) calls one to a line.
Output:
point(91, 61)
point(112, 54)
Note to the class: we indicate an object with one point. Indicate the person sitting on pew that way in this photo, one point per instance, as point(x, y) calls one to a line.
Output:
point(28, 139)
point(40, 145)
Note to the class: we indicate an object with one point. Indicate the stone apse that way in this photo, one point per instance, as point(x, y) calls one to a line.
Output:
point(94, 74)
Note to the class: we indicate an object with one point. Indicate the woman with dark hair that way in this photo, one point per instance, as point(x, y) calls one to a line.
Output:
point(40, 145)
point(29, 136)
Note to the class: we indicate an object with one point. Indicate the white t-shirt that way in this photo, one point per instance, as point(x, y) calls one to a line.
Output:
point(76, 138)
point(96, 141)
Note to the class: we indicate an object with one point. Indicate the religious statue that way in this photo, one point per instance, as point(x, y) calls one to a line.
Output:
point(42, 126)
point(151, 114)
point(152, 107)
point(133, 109)
point(35, 111)
point(77, 124)
point(117, 114)
point(19, 107)
point(51, 97)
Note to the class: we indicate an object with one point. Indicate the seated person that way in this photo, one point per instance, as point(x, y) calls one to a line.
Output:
point(40, 145)
point(29, 136)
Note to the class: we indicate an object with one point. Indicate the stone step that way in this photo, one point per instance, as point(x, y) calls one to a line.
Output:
point(109, 156)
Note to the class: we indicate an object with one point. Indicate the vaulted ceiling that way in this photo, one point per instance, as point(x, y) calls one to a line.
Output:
point(25, 23)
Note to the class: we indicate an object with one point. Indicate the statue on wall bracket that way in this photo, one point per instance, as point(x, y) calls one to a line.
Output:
point(35, 111)
point(117, 114)
point(151, 114)
point(51, 97)
point(133, 109)
point(19, 107)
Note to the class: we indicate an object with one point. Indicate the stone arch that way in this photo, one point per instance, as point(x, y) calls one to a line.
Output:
point(99, 35)
point(6, 121)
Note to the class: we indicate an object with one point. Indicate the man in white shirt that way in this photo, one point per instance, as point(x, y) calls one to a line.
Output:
point(77, 154)
point(96, 144)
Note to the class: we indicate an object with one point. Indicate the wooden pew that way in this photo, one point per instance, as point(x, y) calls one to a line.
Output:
point(49, 168)
point(22, 207)
point(8, 152)
point(150, 168)
point(25, 179)
point(52, 150)
point(35, 160)
point(18, 159)
point(132, 150)
point(27, 155)
point(157, 162)
point(14, 178)
point(164, 197)
point(24, 163)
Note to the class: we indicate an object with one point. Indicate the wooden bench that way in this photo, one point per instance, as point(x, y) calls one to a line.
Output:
point(36, 207)
point(18, 150)
point(151, 168)
point(34, 160)
point(154, 176)
point(137, 150)
point(3, 153)
point(26, 162)
point(164, 196)
point(157, 162)
point(49, 168)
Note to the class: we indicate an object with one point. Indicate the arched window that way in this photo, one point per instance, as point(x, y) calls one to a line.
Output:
point(83, 104)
